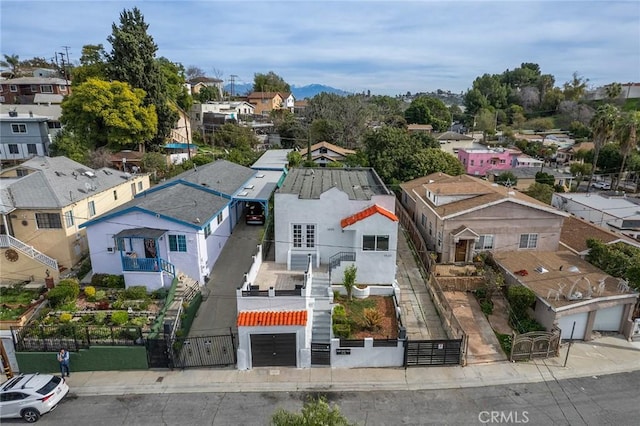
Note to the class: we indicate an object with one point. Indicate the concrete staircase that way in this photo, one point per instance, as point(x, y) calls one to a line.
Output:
point(185, 292)
point(299, 262)
point(321, 330)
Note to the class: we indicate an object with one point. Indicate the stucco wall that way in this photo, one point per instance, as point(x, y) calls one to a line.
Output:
point(368, 356)
point(25, 268)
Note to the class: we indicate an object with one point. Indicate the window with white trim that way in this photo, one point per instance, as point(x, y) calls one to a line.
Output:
point(48, 221)
point(34, 88)
point(177, 243)
point(32, 148)
point(46, 88)
point(528, 241)
point(13, 88)
point(375, 243)
point(207, 230)
point(304, 235)
point(485, 242)
point(219, 218)
point(13, 148)
point(68, 218)
point(92, 208)
point(62, 87)
point(140, 186)
point(18, 128)
point(423, 220)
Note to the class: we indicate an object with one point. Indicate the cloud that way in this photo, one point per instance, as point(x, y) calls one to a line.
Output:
point(385, 47)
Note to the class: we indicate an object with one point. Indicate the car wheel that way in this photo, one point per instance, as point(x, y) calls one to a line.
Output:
point(30, 415)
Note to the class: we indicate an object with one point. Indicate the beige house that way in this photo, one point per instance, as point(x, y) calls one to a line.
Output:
point(567, 155)
point(576, 232)
point(265, 102)
point(323, 153)
point(459, 216)
point(44, 202)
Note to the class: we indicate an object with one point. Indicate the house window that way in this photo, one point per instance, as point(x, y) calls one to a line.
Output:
point(13, 148)
point(219, 218)
point(54, 125)
point(323, 150)
point(304, 236)
point(439, 239)
point(485, 242)
point(140, 186)
point(375, 242)
point(471, 162)
point(68, 218)
point(32, 149)
point(34, 88)
point(115, 194)
point(177, 243)
point(62, 88)
point(197, 116)
point(481, 162)
point(46, 88)
point(423, 220)
point(92, 208)
point(502, 161)
point(207, 230)
point(18, 128)
point(133, 189)
point(430, 228)
point(22, 172)
point(528, 241)
point(48, 221)
point(13, 88)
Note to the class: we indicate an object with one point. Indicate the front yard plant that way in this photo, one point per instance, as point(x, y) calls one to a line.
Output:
point(373, 317)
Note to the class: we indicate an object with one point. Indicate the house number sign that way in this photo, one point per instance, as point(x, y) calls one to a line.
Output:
point(340, 351)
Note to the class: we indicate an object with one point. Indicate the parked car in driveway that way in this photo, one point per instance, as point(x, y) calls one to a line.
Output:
point(254, 214)
point(601, 185)
point(31, 395)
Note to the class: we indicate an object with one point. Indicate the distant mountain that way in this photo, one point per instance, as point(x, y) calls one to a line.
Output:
point(300, 92)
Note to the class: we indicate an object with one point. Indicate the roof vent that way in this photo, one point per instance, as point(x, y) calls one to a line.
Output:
point(13, 113)
point(541, 270)
point(511, 193)
point(573, 269)
point(243, 194)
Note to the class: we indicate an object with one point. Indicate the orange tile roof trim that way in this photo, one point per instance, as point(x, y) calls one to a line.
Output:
point(271, 318)
point(348, 221)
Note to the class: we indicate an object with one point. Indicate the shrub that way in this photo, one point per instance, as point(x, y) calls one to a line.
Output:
point(137, 292)
point(371, 319)
point(100, 295)
point(120, 317)
point(520, 298)
point(339, 315)
point(90, 292)
point(159, 294)
point(487, 307)
point(525, 325)
point(85, 267)
point(97, 280)
point(114, 281)
point(65, 292)
point(342, 331)
point(139, 321)
point(100, 317)
point(481, 293)
point(102, 305)
point(65, 317)
point(505, 342)
point(349, 280)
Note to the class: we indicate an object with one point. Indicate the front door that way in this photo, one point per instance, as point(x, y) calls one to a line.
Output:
point(461, 251)
point(150, 251)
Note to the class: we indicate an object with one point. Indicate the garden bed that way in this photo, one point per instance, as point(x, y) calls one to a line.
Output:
point(18, 305)
point(363, 323)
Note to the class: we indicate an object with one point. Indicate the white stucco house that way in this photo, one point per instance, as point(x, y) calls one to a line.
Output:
point(339, 217)
point(179, 226)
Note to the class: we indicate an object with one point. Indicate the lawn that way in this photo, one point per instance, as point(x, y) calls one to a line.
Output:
point(373, 317)
point(18, 295)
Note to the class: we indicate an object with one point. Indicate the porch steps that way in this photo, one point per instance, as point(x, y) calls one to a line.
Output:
point(185, 291)
point(299, 262)
point(321, 329)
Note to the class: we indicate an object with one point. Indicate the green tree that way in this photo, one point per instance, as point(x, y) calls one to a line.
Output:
point(348, 116)
point(110, 114)
point(628, 128)
point(175, 83)
point(208, 93)
point(92, 65)
point(580, 170)
point(539, 124)
point(231, 135)
point(507, 179)
point(293, 132)
point(485, 121)
point(270, 82)
point(540, 191)
point(574, 89)
point(13, 62)
point(602, 126)
point(315, 412)
point(493, 90)
point(155, 163)
point(613, 91)
point(619, 260)
point(132, 60)
point(520, 299)
point(579, 130)
point(428, 110)
point(294, 159)
point(67, 144)
point(546, 178)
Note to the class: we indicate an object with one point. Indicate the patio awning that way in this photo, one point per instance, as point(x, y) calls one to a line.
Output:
point(140, 233)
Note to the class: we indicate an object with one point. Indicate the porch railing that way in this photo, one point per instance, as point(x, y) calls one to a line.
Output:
point(9, 241)
point(336, 259)
point(147, 264)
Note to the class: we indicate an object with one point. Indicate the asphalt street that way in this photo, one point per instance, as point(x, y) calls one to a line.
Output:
point(597, 400)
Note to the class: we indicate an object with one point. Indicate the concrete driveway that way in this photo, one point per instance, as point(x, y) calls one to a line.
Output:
point(218, 313)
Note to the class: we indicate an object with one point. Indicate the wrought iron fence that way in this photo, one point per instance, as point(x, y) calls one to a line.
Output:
point(39, 338)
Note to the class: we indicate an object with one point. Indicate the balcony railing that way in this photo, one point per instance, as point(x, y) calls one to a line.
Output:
point(142, 264)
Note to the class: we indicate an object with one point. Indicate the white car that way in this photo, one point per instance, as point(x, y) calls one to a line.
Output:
point(601, 185)
point(31, 395)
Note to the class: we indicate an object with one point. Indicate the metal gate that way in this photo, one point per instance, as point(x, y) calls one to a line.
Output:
point(204, 351)
point(433, 352)
point(273, 350)
point(320, 353)
point(157, 353)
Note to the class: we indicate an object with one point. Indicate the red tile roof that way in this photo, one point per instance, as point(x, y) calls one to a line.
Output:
point(271, 318)
point(347, 221)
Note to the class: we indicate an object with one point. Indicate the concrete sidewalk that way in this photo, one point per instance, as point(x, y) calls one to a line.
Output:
point(606, 355)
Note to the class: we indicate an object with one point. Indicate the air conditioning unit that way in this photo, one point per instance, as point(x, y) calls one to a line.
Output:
point(111, 249)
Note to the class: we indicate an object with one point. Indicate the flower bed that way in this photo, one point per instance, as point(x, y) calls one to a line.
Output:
point(373, 317)
point(18, 305)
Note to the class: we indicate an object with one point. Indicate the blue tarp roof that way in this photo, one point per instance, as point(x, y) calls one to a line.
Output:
point(176, 145)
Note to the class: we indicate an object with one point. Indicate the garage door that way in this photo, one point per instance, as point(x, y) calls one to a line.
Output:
point(566, 324)
point(273, 350)
point(608, 319)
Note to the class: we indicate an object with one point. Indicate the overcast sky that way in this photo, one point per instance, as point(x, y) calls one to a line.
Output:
point(386, 47)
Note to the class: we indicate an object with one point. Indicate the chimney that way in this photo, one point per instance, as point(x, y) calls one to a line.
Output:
point(30, 113)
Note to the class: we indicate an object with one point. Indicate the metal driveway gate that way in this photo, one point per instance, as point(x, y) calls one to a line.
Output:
point(433, 352)
point(204, 351)
point(320, 353)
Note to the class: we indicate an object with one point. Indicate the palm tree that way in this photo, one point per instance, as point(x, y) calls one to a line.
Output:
point(602, 126)
point(12, 61)
point(628, 129)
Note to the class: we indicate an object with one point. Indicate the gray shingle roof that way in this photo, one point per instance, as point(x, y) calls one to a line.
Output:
point(60, 181)
point(181, 202)
point(357, 183)
point(221, 175)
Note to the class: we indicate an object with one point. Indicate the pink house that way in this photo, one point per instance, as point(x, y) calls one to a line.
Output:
point(478, 162)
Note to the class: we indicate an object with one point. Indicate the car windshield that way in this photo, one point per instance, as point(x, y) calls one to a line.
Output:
point(53, 383)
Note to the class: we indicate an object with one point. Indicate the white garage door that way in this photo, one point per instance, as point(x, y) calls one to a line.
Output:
point(608, 319)
point(566, 324)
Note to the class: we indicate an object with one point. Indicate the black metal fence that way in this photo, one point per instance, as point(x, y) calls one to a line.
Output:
point(42, 338)
point(204, 351)
point(433, 352)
